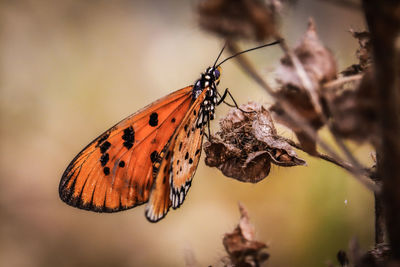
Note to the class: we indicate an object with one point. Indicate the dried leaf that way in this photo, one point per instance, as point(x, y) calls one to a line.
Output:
point(320, 67)
point(317, 60)
point(354, 110)
point(299, 100)
point(242, 248)
point(240, 19)
point(363, 53)
point(247, 144)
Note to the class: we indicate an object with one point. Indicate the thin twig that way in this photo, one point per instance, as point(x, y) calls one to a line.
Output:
point(343, 80)
point(343, 164)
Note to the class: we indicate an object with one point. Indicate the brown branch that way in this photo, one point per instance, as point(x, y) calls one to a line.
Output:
point(343, 164)
point(343, 80)
point(383, 19)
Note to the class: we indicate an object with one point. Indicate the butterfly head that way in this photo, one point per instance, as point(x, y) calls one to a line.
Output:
point(209, 79)
point(214, 73)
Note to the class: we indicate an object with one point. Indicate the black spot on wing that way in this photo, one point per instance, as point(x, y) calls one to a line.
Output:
point(128, 137)
point(104, 159)
point(190, 161)
point(104, 147)
point(106, 170)
point(121, 164)
point(153, 156)
point(173, 120)
point(153, 121)
point(103, 138)
point(187, 155)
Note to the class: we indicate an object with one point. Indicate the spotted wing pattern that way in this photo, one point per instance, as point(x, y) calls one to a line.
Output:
point(116, 171)
point(178, 165)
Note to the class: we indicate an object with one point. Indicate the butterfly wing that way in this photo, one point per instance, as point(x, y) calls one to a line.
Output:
point(116, 171)
point(178, 165)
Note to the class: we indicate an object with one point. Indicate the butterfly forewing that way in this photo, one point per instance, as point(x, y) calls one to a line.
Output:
point(115, 171)
point(178, 165)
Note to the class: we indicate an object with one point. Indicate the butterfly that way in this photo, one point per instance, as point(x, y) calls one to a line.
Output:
point(149, 157)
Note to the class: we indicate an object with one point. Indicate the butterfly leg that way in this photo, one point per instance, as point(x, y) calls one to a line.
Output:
point(222, 99)
point(209, 131)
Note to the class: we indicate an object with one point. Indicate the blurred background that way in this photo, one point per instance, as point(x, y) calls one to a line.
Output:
point(71, 69)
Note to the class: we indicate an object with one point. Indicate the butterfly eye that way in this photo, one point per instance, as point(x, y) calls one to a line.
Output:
point(197, 86)
point(216, 74)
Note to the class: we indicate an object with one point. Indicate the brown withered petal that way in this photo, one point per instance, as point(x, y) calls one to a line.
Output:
point(239, 19)
point(247, 144)
point(300, 100)
point(317, 60)
point(240, 245)
point(354, 111)
point(320, 66)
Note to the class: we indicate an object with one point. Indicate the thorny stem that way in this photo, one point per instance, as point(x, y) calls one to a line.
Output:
point(296, 118)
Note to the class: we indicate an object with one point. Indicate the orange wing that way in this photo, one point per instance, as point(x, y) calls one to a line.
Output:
point(116, 171)
point(178, 165)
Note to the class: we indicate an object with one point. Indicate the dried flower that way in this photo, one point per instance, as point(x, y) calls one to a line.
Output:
point(319, 66)
point(247, 144)
point(242, 248)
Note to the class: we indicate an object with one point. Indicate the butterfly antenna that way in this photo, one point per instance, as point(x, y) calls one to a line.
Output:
point(248, 50)
point(220, 53)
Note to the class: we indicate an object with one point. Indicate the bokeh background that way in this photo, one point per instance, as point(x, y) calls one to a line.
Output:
point(71, 69)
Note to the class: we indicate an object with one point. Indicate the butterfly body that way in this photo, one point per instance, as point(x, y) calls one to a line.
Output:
point(149, 157)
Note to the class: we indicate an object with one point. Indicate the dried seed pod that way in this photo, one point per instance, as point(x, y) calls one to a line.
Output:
point(317, 60)
point(239, 19)
point(247, 144)
point(320, 66)
point(241, 246)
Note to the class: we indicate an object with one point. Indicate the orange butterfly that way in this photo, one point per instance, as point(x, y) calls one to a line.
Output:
point(149, 157)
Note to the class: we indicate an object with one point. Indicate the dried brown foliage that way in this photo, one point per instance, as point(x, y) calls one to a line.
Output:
point(320, 67)
point(247, 144)
point(240, 19)
point(352, 106)
point(242, 248)
point(360, 104)
point(363, 53)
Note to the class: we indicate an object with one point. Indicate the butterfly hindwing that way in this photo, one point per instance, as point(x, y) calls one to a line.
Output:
point(115, 171)
point(173, 180)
